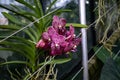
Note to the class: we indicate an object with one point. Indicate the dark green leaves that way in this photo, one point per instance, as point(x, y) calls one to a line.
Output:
point(110, 71)
point(102, 53)
point(11, 18)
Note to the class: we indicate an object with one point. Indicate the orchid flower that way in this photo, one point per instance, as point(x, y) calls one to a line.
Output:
point(57, 39)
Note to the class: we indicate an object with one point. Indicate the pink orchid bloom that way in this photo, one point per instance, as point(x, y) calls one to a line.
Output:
point(57, 39)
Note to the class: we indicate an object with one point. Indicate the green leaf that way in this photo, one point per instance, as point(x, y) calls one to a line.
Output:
point(38, 7)
point(22, 11)
point(102, 53)
point(18, 13)
point(34, 33)
point(63, 10)
point(77, 25)
point(32, 37)
point(26, 4)
point(56, 61)
point(28, 14)
point(49, 7)
point(15, 62)
point(11, 18)
point(15, 27)
point(110, 70)
point(15, 7)
point(16, 51)
point(20, 40)
point(10, 26)
point(27, 51)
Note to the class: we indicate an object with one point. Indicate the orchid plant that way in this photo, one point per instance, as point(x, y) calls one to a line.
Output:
point(33, 41)
point(57, 39)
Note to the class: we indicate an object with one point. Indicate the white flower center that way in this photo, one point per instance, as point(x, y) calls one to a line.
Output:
point(56, 45)
point(49, 39)
point(60, 26)
point(74, 46)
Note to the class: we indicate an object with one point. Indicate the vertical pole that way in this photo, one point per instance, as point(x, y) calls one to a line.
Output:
point(84, 39)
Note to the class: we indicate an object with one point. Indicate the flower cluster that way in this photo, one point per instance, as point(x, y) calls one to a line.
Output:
point(57, 39)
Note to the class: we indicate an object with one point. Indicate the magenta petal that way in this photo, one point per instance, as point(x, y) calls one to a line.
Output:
point(59, 24)
point(55, 22)
point(70, 34)
point(40, 44)
point(62, 22)
point(51, 31)
point(76, 41)
point(55, 18)
point(69, 47)
point(46, 36)
point(57, 39)
point(55, 50)
point(72, 30)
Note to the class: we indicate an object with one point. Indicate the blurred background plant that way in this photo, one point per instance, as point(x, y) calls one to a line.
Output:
point(108, 30)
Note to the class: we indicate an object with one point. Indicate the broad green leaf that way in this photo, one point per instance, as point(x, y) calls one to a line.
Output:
point(56, 61)
point(11, 18)
point(102, 53)
point(76, 25)
point(110, 70)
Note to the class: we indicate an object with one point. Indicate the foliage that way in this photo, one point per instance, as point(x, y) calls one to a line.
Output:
point(108, 31)
point(110, 69)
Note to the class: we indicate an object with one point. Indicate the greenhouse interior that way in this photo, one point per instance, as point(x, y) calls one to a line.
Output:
point(59, 39)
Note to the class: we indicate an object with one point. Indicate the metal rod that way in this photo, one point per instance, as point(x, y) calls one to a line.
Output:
point(84, 39)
